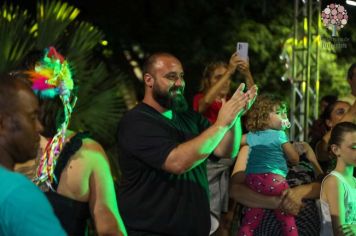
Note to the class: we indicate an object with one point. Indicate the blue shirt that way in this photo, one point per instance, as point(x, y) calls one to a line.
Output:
point(24, 209)
point(265, 152)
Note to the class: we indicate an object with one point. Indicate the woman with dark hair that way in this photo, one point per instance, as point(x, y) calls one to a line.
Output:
point(318, 128)
point(332, 114)
point(73, 169)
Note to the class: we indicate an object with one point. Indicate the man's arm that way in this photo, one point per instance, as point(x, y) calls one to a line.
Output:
point(102, 197)
point(191, 153)
point(230, 145)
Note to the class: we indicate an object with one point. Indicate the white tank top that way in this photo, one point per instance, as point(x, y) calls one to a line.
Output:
point(349, 202)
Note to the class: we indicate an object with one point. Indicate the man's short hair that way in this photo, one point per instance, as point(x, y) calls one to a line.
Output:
point(151, 60)
point(9, 85)
point(350, 72)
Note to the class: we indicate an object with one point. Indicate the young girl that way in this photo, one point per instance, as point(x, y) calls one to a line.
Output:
point(338, 193)
point(267, 162)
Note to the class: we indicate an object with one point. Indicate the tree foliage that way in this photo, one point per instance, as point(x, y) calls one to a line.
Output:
point(202, 31)
point(102, 92)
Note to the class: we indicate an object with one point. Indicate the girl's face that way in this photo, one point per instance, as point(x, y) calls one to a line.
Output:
point(347, 149)
point(337, 113)
point(276, 116)
point(217, 75)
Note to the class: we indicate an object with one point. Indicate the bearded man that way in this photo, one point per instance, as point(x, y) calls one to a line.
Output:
point(164, 147)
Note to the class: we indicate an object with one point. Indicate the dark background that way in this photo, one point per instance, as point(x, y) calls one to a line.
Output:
point(201, 31)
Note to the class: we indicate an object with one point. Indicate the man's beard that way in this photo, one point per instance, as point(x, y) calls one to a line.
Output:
point(175, 102)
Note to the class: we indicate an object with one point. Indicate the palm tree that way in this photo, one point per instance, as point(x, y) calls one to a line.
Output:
point(102, 94)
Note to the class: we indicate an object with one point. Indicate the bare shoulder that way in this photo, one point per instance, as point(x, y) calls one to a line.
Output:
point(91, 150)
point(331, 181)
point(331, 184)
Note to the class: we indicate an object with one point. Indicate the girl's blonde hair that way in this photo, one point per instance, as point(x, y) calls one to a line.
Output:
point(258, 115)
point(208, 73)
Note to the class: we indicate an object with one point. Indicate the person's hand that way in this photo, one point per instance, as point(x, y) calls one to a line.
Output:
point(234, 61)
point(291, 202)
point(299, 147)
point(231, 109)
point(347, 230)
point(226, 220)
point(243, 67)
point(252, 95)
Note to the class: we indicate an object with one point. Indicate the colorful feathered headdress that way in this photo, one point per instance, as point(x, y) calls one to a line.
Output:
point(52, 77)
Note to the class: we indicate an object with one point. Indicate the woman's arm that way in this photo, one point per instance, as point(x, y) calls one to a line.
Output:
point(304, 147)
point(244, 68)
point(214, 91)
point(243, 140)
point(102, 198)
point(333, 194)
point(321, 150)
point(291, 153)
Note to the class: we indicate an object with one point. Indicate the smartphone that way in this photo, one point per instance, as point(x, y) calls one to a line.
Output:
point(242, 50)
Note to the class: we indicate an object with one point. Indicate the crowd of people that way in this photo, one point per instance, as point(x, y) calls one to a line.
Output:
point(224, 167)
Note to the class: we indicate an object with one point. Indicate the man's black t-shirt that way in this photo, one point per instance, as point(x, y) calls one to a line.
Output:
point(151, 199)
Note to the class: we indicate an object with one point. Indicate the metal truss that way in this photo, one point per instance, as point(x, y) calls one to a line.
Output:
point(305, 67)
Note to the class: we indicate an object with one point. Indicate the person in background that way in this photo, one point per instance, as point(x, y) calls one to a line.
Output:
point(215, 85)
point(318, 128)
point(351, 80)
point(215, 88)
point(333, 113)
point(24, 210)
point(338, 194)
point(326, 101)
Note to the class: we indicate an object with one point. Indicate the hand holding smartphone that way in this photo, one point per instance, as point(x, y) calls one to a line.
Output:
point(242, 50)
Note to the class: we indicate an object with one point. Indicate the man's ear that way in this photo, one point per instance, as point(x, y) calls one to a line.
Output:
point(148, 80)
point(7, 123)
